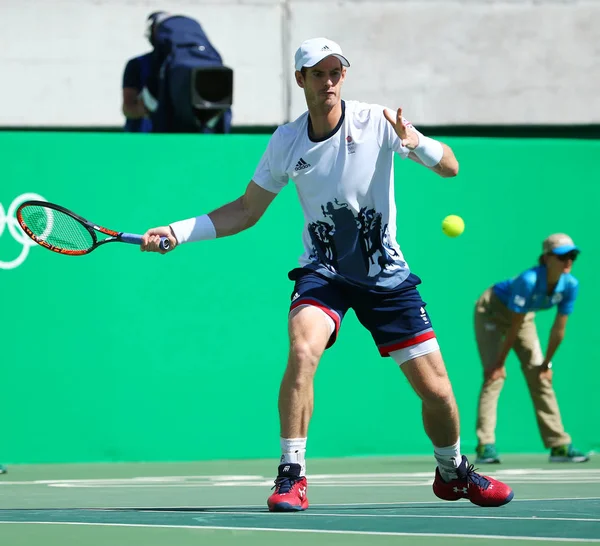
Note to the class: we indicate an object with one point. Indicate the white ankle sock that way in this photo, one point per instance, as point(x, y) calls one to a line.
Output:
point(448, 459)
point(293, 450)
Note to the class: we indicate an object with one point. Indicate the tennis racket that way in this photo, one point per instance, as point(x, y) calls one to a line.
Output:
point(60, 230)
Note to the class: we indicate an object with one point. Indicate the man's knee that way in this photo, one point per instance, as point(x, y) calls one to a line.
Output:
point(439, 393)
point(429, 378)
point(310, 331)
point(304, 356)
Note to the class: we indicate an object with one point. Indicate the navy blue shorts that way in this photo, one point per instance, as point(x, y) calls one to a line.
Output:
point(396, 318)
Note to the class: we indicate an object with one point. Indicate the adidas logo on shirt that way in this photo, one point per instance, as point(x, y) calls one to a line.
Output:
point(325, 48)
point(301, 165)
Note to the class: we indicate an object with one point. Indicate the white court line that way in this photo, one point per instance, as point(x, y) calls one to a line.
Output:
point(403, 479)
point(405, 516)
point(350, 504)
point(314, 531)
point(357, 504)
point(268, 483)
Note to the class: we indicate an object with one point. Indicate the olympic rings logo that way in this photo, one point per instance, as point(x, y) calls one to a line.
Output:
point(8, 220)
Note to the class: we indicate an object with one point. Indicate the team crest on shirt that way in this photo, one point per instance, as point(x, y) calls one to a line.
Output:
point(350, 145)
point(557, 298)
point(341, 233)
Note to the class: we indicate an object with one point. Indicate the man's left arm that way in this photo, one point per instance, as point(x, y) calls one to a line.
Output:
point(426, 151)
point(448, 164)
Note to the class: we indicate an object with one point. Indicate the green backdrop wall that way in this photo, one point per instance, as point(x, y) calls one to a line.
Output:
point(124, 356)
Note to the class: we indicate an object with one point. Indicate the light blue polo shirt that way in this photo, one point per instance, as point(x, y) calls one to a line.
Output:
point(528, 292)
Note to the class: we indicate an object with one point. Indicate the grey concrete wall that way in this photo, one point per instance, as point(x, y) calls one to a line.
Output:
point(443, 61)
point(62, 61)
point(450, 62)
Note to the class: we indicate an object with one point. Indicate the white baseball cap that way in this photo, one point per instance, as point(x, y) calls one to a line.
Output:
point(313, 51)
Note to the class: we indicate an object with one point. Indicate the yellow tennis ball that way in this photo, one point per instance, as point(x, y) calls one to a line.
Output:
point(453, 225)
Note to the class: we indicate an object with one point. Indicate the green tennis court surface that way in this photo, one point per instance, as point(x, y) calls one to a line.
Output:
point(377, 501)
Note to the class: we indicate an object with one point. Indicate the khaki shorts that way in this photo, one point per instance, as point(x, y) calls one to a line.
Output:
point(492, 321)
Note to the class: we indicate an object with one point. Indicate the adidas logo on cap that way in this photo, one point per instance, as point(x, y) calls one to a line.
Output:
point(325, 48)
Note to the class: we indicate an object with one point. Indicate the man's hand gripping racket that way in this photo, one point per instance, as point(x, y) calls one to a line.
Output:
point(153, 238)
point(61, 230)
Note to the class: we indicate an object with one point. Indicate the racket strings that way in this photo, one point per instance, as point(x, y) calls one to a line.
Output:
point(57, 228)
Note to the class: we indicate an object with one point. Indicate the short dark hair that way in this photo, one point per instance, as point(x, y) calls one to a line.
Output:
point(152, 17)
point(151, 21)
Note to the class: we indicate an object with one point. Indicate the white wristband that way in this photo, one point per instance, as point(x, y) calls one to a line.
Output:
point(200, 228)
point(429, 151)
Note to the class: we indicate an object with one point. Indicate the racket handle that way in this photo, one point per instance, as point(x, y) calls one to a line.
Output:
point(165, 244)
point(134, 239)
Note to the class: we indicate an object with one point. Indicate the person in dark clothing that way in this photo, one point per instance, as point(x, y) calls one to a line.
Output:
point(188, 89)
point(135, 77)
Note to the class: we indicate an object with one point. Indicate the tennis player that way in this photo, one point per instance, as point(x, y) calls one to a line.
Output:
point(504, 320)
point(340, 154)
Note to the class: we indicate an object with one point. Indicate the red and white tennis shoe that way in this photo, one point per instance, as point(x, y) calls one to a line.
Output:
point(480, 490)
point(290, 490)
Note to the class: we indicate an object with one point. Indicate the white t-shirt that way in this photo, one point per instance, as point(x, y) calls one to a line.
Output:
point(345, 183)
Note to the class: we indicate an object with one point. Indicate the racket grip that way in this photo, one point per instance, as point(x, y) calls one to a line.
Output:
point(135, 239)
point(165, 244)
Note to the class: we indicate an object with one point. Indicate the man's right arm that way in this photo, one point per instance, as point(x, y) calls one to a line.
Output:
point(229, 219)
point(243, 212)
